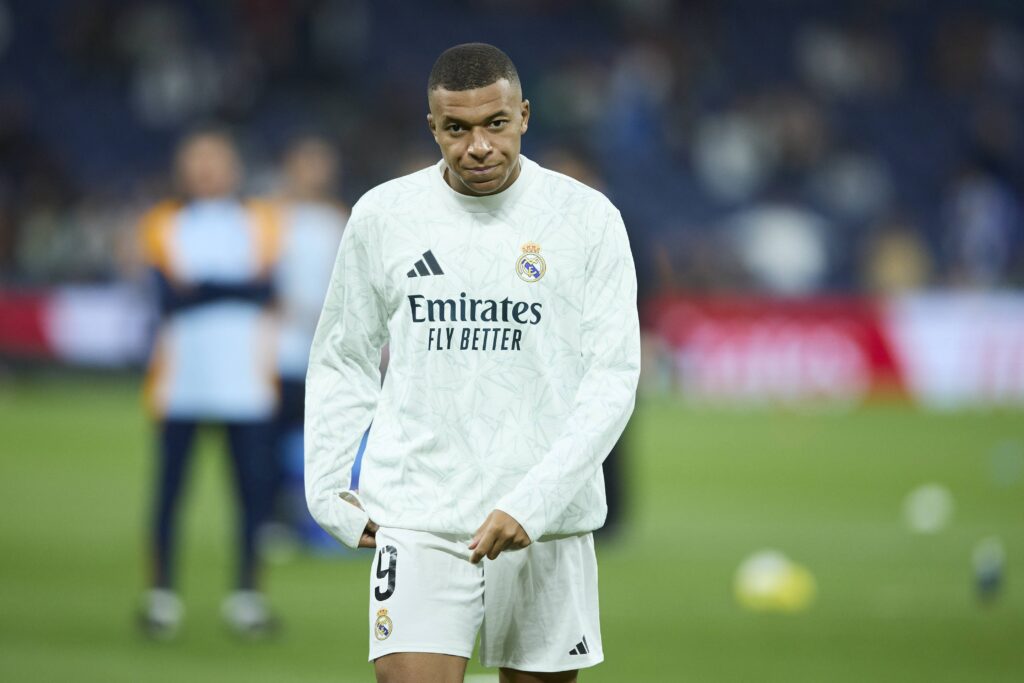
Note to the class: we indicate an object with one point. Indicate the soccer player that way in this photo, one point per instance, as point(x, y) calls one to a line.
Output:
point(211, 256)
point(312, 225)
point(508, 294)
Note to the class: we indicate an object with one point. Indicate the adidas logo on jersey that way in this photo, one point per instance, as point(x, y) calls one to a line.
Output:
point(581, 648)
point(427, 265)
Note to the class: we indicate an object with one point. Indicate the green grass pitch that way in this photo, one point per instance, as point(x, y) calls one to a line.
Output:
point(707, 488)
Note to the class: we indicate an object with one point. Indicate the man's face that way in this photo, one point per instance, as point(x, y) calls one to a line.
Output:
point(310, 169)
point(478, 132)
point(208, 167)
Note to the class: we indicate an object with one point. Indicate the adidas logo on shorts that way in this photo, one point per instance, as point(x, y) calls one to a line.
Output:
point(581, 648)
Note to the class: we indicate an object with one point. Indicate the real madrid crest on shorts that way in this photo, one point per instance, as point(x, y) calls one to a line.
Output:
point(382, 627)
point(530, 265)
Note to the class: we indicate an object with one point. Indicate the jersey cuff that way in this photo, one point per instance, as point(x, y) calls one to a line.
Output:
point(351, 519)
point(519, 510)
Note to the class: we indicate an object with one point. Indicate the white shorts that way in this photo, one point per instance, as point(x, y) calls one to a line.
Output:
point(535, 609)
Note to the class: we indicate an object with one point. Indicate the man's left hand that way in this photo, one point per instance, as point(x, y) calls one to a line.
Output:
point(498, 533)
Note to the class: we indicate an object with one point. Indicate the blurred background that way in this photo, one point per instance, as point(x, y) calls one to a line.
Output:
point(824, 478)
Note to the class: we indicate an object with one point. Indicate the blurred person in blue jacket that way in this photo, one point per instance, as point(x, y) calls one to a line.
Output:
point(312, 225)
point(212, 256)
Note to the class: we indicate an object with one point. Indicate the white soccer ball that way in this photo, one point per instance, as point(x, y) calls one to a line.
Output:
point(928, 509)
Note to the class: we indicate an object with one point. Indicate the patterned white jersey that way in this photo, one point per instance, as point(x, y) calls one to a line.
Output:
point(514, 358)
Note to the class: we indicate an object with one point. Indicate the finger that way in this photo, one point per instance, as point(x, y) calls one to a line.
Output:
point(368, 539)
point(482, 548)
point(496, 549)
point(479, 533)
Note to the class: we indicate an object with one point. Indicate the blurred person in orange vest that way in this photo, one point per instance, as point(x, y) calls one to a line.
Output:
point(312, 225)
point(212, 257)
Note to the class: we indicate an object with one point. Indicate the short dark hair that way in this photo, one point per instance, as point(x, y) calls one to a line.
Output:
point(471, 65)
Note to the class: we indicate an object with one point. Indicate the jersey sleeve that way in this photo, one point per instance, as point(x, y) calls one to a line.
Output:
point(343, 381)
point(155, 233)
point(610, 349)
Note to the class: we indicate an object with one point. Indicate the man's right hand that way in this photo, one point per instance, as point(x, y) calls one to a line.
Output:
point(369, 537)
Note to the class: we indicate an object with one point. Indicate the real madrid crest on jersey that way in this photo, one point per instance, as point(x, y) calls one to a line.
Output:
point(530, 265)
point(382, 627)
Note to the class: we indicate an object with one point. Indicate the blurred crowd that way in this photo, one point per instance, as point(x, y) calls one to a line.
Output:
point(787, 147)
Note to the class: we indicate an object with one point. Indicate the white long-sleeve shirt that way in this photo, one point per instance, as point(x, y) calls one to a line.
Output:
point(514, 357)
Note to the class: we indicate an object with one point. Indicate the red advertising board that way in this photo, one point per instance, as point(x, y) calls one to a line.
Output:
point(756, 348)
point(23, 330)
point(941, 349)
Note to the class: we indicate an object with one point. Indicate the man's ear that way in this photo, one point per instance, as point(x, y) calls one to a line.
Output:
point(524, 109)
point(430, 125)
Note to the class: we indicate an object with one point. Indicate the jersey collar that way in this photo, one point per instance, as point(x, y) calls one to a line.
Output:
point(492, 203)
